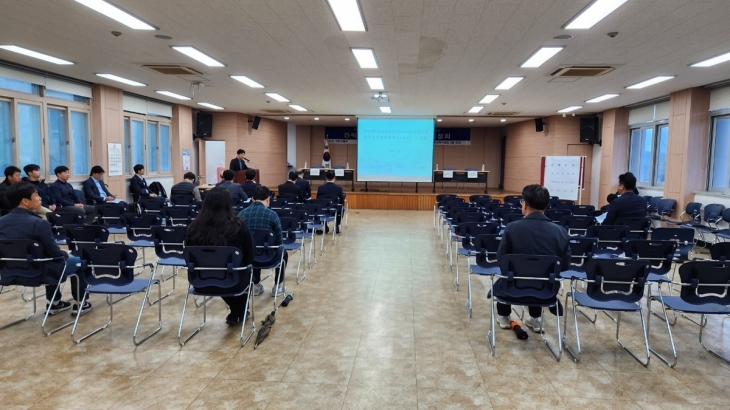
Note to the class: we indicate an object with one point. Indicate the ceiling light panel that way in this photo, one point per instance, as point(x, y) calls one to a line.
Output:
point(35, 54)
point(595, 12)
point(603, 97)
point(475, 109)
point(651, 81)
point(508, 83)
point(297, 107)
point(121, 80)
point(571, 108)
point(173, 95)
point(196, 54)
point(713, 61)
point(117, 14)
point(278, 97)
point(348, 14)
point(375, 83)
point(209, 105)
point(541, 56)
point(385, 110)
point(365, 57)
point(245, 80)
point(489, 98)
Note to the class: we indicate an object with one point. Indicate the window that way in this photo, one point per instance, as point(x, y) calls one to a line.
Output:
point(165, 148)
point(152, 151)
point(6, 135)
point(80, 143)
point(647, 154)
point(29, 134)
point(138, 142)
point(147, 142)
point(66, 96)
point(719, 175)
point(21, 86)
point(57, 138)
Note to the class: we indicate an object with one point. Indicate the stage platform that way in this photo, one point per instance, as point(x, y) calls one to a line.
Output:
point(407, 201)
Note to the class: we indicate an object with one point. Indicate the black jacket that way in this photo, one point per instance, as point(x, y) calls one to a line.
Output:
point(249, 187)
point(627, 205)
point(236, 191)
point(331, 189)
point(536, 234)
point(306, 187)
point(290, 188)
point(65, 194)
point(236, 166)
point(47, 198)
point(92, 194)
point(138, 188)
point(4, 204)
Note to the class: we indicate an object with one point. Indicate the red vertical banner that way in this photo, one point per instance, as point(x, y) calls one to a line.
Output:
point(542, 171)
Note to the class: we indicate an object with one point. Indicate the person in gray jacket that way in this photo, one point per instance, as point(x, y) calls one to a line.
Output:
point(235, 190)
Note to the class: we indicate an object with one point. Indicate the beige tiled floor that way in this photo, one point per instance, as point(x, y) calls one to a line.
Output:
point(377, 325)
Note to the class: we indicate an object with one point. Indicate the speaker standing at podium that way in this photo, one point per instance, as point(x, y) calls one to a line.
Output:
point(239, 163)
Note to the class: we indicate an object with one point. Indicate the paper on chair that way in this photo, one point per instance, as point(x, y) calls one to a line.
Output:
point(448, 174)
point(600, 218)
point(339, 172)
point(471, 174)
point(314, 172)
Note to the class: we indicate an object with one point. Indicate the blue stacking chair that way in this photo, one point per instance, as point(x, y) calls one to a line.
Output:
point(526, 280)
point(329, 214)
point(556, 214)
point(707, 224)
point(59, 220)
point(438, 206)
point(513, 200)
point(109, 270)
point(459, 219)
point(564, 204)
point(683, 237)
point(720, 251)
point(183, 200)
point(169, 242)
point(293, 242)
point(22, 263)
point(267, 255)
point(610, 239)
point(313, 213)
point(304, 232)
point(615, 285)
point(467, 231)
point(150, 205)
point(473, 199)
point(692, 214)
point(110, 217)
point(638, 226)
point(515, 216)
point(485, 263)
point(724, 233)
point(217, 271)
point(178, 215)
point(581, 251)
point(583, 210)
point(664, 209)
point(84, 234)
point(577, 225)
point(500, 212)
point(139, 230)
point(703, 290)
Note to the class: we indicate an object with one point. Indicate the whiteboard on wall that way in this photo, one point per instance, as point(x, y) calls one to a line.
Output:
point(564, 176)
point(215, 161)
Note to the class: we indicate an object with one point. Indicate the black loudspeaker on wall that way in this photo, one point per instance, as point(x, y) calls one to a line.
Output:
point(256, 121)
point(538, 125)
point(589, 129)
point(204, 125)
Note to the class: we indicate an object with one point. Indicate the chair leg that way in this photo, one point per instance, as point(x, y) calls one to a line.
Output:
point(95, 331)
point(206, 299)
point(182, 319)
point(249, 308)
point(703, 318)
point(669, 330)
point(159, 311)
point(282, 267)
point(468, 292)
point(35, 309)
point(299, 264)
point(456, 278)
point(3, 290)
point(520, 315)
point(491, 334)
point(559, 352)
point(59, 288)
point(577, 353)
point(312, 251)
point(646, 339)
point(22, 294)
point(163, 279)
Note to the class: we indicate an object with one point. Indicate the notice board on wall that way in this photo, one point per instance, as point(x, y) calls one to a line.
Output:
point(564, 176)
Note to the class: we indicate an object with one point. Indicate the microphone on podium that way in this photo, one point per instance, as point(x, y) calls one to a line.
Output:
point(246, 159)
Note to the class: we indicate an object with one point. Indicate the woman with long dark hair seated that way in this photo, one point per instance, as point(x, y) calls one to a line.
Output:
point(217, 225)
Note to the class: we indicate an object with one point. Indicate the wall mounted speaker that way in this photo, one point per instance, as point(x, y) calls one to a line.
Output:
point(256, 121)
point(538, 124)
point(589, 129)
point(204, 125)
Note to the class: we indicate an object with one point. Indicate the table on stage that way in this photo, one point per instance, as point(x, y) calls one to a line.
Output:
point(347, 175)
point(463, 176)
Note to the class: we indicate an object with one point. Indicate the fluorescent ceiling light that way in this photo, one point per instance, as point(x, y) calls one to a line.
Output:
point(650, 81)
point(297, 107)
point(121, 80)
point(117, 14)
point(278, 97)
point(347, 119)
point(489, 98)
point(365, 57)
point(286, 118)
point(347, 13)
point(594, 13)
point(316, 118)
point(35, 54)
point(385, 110)
point(209, 105)
point(571, 108)
point(173, 95)
point(503, 120)
point(508, 83)
point(475, 109)
point(249, 82)
point(604, 97)
point(713, 61)
point(471, 119)
point(196, 54)
point(375, 83)
point(541, 56)
point(439, 120)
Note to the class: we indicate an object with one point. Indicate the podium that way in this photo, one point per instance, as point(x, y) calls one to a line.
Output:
point(240, 176)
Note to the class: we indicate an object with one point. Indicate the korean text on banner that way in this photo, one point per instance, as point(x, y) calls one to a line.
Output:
point(115, 159)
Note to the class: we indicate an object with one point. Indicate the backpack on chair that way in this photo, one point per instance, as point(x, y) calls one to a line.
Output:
point(158, 189)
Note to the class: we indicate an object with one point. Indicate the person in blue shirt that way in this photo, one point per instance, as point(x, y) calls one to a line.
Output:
point(95, 190)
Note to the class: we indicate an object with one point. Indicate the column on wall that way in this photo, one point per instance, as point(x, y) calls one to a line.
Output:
point(182, 138)
point(688, 145)
point(107, 119)
point(614, 150)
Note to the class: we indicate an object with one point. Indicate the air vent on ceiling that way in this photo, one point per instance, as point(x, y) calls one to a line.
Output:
point(582, 71)
point(277, 111)
point(171, 69)
point(502, 114)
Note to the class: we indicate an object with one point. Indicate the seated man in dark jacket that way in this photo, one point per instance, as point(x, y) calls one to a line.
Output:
point(12, 176)
point(304, 184)
point(48, 201)
point(68, 198)
point(290, 188)
point(236, 191)
point(138, 186)
point(23, 223)
point(627, 204)
point(95, 190)
point(186, 188)
point(250, 185)
point(331, 189)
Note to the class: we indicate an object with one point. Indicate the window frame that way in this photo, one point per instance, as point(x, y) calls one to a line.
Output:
point(146, 120)
point(714, 117)
point(655, 126)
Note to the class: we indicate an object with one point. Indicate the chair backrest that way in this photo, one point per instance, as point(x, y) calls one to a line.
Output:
point(20, 262)
point(153, 205)
point(289, 198)
point(469, 216)
point(215, 267)
point(107, 263)
point(279, 203)
point(139, 226)
point(474, 229)
point(266, 252)
point(583, 210)
point(564, 204)
point(665, 207)
point(630, 273)
point(653, 203)
point(514, 200)
point(289, 229)
point(58, 222)
point(179, 215)
point(332, 198)
point(169, 240)
point(638, 226)
point(536, 276)
point(457, 210)
point(486, 246)
point(577, 222)
point(713, 213)
point(556, 214)
point(110, 214)
point(313, 211)
point(608, 235)
point(659, 253)
point(501, 212)
point(720, 251)
point(512, 217)
point(581, 249)
point(474, 198)
point(693, 209)
point(447, 200)
point(698, 274)
point(183, 200)
point(441, 197)
point(726, 215)
point(78, 234)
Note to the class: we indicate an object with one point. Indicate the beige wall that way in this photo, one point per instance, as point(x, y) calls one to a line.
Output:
point(614, 150)
point(107, 125)
point(182, 138)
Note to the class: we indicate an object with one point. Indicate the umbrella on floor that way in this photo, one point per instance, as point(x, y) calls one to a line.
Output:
point(265, 328)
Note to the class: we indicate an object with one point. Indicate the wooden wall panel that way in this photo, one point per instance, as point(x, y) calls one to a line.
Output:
point(181, 138)
point(303, 146)
point(614, 150)
point(107, 125)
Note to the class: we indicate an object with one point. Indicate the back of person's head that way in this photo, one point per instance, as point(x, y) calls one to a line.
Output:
point(138, 168)
point(261, 193)
point(240, 151)
point(628, 180)
point(536, 197)
point(330, 175)
point(611, 197)
point(96, 169)
point(216, 221)
point(18, 192)
point(189, 175)
point(300, 172)
point(293, 176)
point(228, 175)
point(11, 170)
point(250, 174)
point(60, 169)
point(30, 168)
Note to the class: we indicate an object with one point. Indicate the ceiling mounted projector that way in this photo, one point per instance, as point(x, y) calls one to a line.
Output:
point(379, 98)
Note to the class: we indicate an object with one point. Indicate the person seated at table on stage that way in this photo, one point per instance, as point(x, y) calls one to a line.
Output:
point(236, 190)
point(304, 184)
point(291, 188)
point(48, 202)
point(535, 234)
point(250, 185)
point(138, 186)
point(186, 188)
point(217, 225)
point(12, 176)
point(329, 188)
point(95, 190)
point(239, 163)
point(627, 204)
point(69, 198)
point(23, 223)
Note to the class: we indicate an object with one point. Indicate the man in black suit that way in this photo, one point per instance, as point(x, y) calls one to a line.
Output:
point(250, 185)
point(95, 190)
point(69, 198)
point(138, 186)
point(239, 163)
point(331, 189)
point(627, 204)
point(236, 191)
point(291, 188)
point(304, 184)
